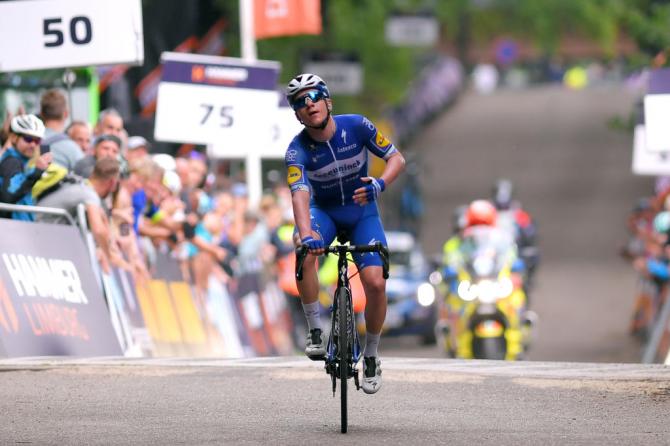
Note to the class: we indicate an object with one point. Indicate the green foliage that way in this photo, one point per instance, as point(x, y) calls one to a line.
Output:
point(358, 26)
point(350, 26)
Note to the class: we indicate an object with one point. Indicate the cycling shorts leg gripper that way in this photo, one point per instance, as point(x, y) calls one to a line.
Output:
point(323, 225)
point(368, 230)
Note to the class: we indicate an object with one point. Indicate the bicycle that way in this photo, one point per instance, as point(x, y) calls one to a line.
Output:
point(343, 350)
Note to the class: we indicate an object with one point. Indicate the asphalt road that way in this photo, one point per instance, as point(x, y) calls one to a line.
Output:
point(288, 401)
point(572, 172)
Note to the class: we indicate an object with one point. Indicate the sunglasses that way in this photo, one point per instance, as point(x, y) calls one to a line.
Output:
point(313, 96)
point(30, 139)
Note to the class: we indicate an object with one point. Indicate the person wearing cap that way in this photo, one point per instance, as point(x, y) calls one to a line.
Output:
point(327, 171)
point(105, 146)
point(22, 164)
point(138, 148)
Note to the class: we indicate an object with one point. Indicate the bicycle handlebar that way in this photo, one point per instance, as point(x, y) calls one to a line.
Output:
point(302, 250)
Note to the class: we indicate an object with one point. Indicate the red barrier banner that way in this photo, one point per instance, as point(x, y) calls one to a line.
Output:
point(50, 303)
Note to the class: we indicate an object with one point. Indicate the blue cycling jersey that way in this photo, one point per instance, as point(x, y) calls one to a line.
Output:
point(332, 170)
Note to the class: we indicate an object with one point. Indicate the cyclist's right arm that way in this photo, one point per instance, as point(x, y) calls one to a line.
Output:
point(300, 201)
point(296, 159)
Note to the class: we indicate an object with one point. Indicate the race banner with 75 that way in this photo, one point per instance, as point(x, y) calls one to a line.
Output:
point(209, 99)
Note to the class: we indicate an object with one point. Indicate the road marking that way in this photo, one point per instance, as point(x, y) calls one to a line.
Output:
point(530, 369)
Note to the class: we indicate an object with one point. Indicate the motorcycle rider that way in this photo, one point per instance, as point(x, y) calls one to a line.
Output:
point(517, 222)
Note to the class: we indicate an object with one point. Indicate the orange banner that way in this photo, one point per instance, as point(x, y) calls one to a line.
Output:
point(273, 18)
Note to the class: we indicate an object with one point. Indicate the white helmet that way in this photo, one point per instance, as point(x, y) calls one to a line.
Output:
point(29, 125)
point(303, 82)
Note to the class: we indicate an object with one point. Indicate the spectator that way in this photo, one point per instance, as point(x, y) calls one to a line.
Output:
point(54, 112)
point(204, 252)
point(110, 122)
point(138, 147)
point(253, 250)
point(103, 181)
point(17, 173)
point(80, 133)
point(105, 146)
point(4, 128)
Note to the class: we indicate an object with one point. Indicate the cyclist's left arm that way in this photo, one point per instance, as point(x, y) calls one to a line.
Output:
point(380, 146)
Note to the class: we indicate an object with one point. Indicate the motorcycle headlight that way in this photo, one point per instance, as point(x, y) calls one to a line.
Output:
point(467, 291)
point(488, 291)
point(425, 294)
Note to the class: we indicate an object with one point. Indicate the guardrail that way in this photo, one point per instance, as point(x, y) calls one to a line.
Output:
point(38, 210)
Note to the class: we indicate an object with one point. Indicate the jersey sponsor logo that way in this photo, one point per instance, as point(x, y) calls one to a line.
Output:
point(346, 148)
point(291, 155)
point(381, 140)
point(344, 136)
point(341, 170)
point(368, 124)
point(294, 174)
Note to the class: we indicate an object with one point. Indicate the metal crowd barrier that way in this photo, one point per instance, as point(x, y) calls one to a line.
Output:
point(39, 210)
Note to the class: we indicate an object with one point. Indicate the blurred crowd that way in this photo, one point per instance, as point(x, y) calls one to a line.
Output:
point(648, 251)
point(138, 203)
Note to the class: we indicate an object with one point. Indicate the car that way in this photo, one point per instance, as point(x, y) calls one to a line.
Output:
point(412, 307)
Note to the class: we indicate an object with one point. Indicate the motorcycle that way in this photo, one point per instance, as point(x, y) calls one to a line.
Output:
point(484, 314)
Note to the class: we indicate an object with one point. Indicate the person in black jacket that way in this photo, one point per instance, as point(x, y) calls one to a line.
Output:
point(18, 173)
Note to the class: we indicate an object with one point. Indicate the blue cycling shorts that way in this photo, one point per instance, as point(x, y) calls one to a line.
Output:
point(360, 224)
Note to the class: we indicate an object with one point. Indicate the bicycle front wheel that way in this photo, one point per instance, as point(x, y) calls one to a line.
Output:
point(343, 347)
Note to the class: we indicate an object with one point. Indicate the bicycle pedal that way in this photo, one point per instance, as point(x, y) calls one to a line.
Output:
point(317, 357)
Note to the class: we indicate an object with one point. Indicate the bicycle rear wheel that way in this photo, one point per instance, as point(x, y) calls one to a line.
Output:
point(343, 347)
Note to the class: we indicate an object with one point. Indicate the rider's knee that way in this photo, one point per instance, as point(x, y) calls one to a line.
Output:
point(375, 286)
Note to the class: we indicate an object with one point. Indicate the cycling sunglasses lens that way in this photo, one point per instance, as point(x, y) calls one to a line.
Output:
point(314, 96)
point(30, 139)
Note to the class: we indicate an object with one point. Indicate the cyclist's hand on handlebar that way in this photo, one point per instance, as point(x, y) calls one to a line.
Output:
point(369, 192)
point(314, 245)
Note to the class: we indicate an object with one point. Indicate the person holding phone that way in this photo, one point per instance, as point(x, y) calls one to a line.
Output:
point(22, 164)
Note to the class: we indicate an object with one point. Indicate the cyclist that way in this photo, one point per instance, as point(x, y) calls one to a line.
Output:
point(331, 191)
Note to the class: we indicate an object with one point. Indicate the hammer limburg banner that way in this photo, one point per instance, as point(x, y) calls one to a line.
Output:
point(50, 303)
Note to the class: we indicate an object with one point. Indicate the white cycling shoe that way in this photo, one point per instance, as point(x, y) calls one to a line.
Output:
point(372, 374)
point(315, 348)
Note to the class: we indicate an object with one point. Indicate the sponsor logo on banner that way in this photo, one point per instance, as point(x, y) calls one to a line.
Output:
point(50, 303)
point(218, 75)
point(54, 279)
point(381, 140)
point(294, 174)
